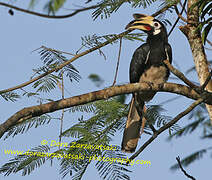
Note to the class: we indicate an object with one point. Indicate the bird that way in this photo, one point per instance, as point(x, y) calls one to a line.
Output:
point(146, 66)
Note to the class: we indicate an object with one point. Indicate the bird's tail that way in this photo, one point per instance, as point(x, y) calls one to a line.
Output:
point(134, 125)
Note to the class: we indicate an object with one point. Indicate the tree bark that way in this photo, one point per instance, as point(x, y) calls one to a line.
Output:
point(194, 37)
point(38, 110)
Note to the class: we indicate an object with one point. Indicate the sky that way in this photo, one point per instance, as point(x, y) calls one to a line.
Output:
point(21, 34)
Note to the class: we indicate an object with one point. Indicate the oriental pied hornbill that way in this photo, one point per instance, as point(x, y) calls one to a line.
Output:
point(146, 66)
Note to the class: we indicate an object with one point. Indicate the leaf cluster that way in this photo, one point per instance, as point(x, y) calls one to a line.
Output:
point(200, 119)
point(107, 7)
point(205, 12)
point(51, 59)
point(24, 126)
point(24, 162)
point(10, 96)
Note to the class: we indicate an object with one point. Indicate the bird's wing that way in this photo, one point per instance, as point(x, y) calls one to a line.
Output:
point(137, 65)
point(169, 51)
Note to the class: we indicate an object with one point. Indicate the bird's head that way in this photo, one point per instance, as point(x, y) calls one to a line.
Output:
point(147, 24)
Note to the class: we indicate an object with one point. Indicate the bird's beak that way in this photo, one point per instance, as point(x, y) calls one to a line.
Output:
point(141, 22)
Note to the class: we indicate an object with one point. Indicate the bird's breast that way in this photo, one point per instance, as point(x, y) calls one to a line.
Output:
point(155, 74)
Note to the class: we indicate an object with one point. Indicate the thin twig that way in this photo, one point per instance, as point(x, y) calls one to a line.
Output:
point(180, 14)
point(164, 9)
point(206, 81)
point(166, 126)
point(186, 174)
point(182, 6)
point(57, 51)
point(178, 18)
point(62, 115)
point(180, 75)
point(209, 42)
point(49, 16)
point(117, 66)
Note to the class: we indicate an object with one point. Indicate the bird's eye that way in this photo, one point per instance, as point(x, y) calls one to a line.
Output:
point(156, 24)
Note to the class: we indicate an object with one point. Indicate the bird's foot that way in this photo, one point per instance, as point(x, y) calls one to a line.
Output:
point(149, 83)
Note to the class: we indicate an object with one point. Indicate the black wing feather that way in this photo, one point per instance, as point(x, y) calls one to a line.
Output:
point(137, 65)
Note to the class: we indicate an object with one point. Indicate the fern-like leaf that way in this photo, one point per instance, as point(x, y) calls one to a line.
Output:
point(10, 96)
point(26, 163)
point(24, 126)
point(111, 170)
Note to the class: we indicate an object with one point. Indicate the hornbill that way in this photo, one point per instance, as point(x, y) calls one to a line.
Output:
point(146, 66)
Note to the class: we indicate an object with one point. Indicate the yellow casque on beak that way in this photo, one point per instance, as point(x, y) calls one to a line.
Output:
point(141, 22)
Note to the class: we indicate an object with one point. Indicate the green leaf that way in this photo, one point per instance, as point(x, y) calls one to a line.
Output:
point(113, 170)
point(26, 163)
point(24, 126)
point(206, 32)
point(10, 96)
point(96, 79)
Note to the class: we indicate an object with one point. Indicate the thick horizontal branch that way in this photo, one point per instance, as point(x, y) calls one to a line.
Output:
point(38, 110)
point(46, 15)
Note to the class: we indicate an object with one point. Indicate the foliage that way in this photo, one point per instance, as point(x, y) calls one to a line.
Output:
point(112, 170)
point(107, 7)
point(25, 163)
point(96, 79)
point(24, 126)
point(154, 116)
point(191, 158)
point(205, 12)
point(52, 59)
point(200, 120)
point(10, 96)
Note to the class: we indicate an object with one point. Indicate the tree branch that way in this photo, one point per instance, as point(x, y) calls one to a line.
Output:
point(179, 16)
point(179, 74)
point(186, 174)
point(77, 55)
point(48, 16)
point(65, 63)
point(166, 126)
point(38, 110)
point(165, 8)
point(193, 35)
point(117, 66)
point(206, 81)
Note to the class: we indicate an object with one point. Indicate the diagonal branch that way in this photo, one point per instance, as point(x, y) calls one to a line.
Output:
point(186, 174)
point(166, 126)
point(179, 74)
point(179, 16)
point(38, 110)
point(65, 63)
point(78, 55)
point(48, 16)
point(206, 81)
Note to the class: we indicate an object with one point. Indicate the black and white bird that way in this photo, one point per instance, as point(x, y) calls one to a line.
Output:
point(146, 66)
